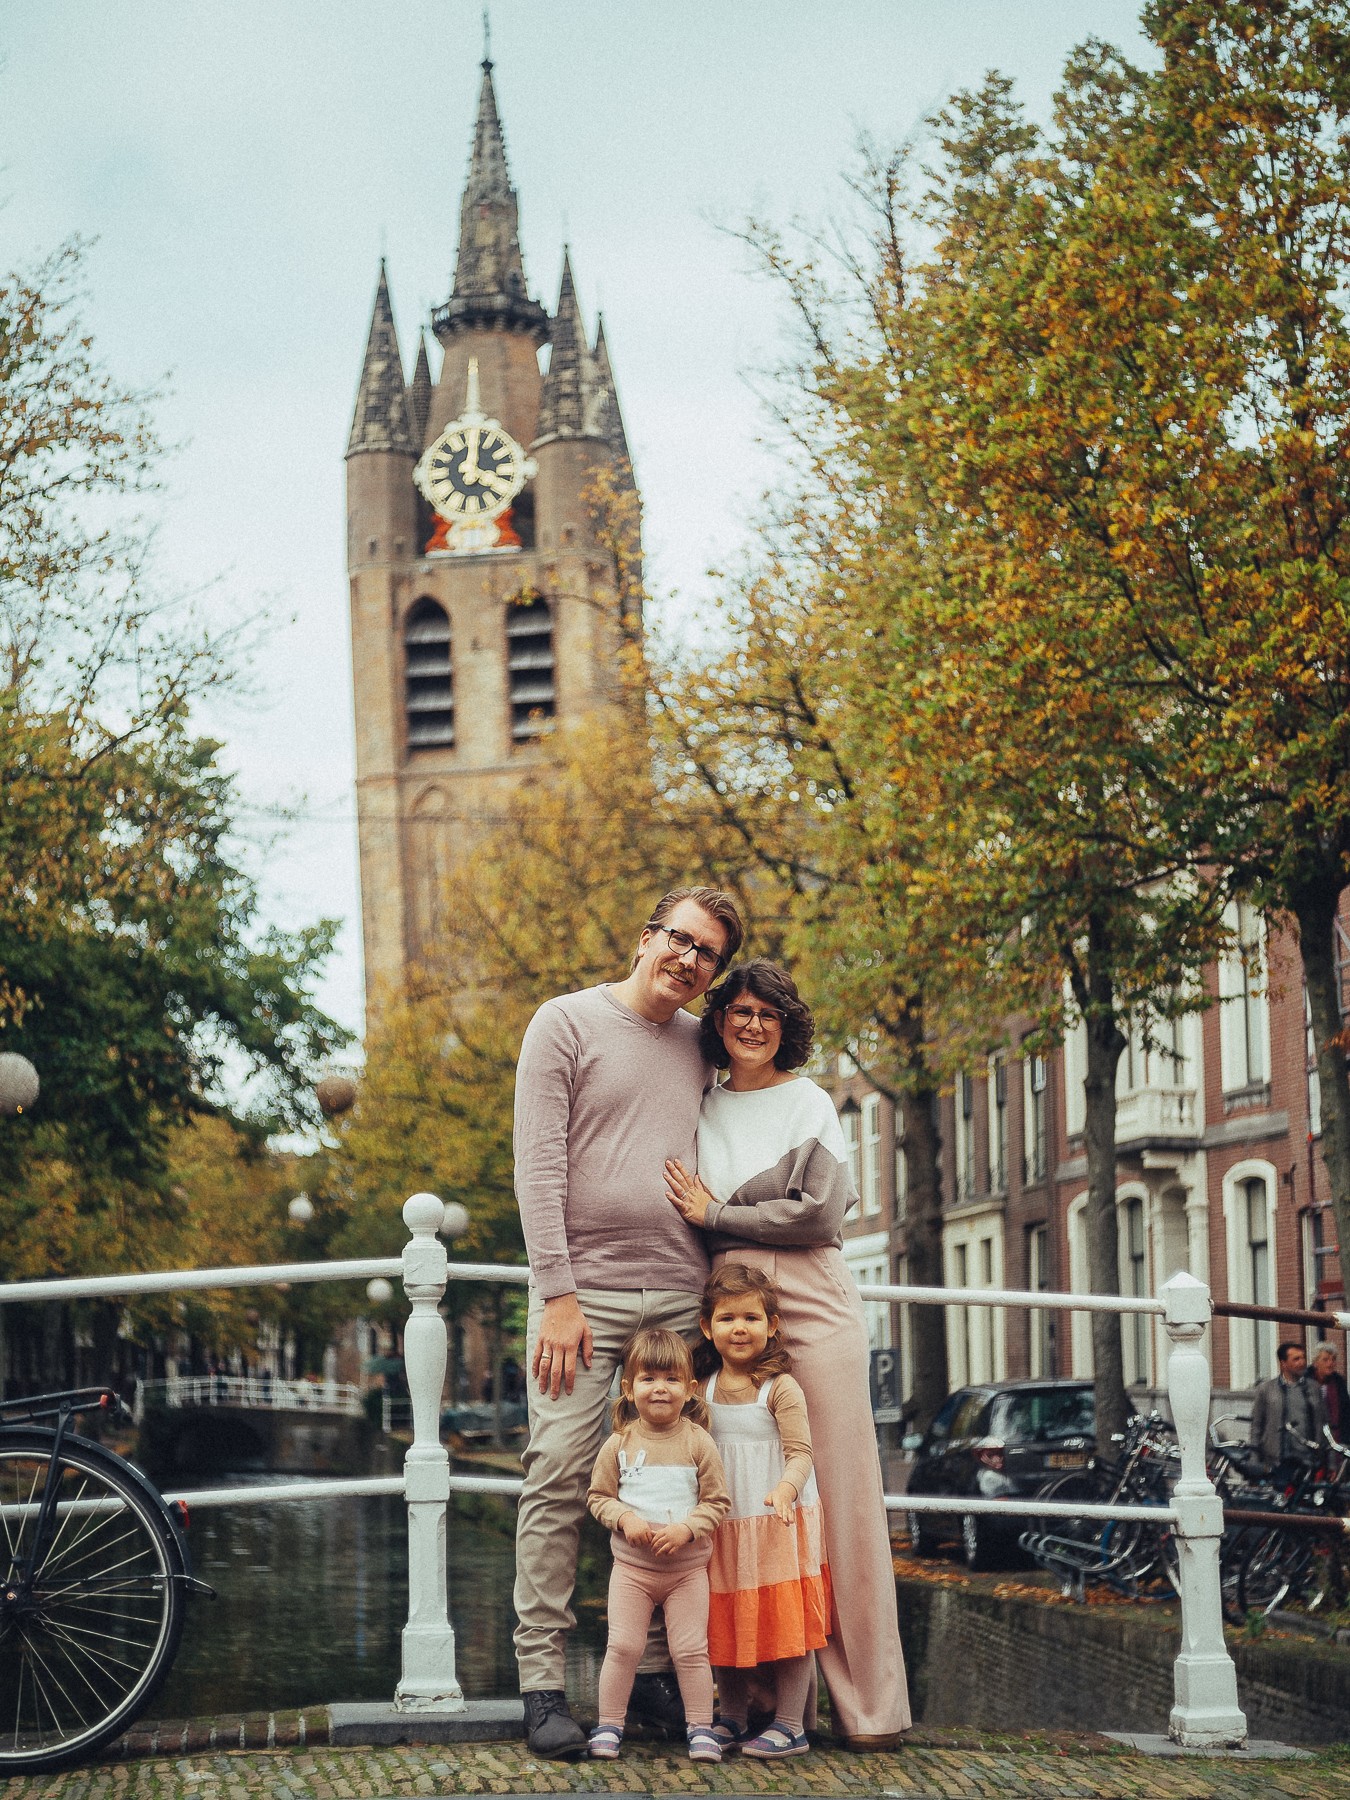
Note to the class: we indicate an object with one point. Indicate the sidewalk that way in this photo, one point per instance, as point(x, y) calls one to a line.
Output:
point(952, 1765)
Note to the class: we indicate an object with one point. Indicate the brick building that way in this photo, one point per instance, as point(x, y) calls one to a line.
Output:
point(1218, 1172)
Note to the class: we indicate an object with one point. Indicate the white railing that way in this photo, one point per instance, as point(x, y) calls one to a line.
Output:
point(1155, 1112)
point(1206, 1712)
point(260, 1393)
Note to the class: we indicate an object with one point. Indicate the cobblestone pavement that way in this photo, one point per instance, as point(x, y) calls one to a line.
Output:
point(952, 1765)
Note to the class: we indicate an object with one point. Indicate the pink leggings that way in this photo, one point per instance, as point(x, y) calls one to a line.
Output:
point(634, 1593)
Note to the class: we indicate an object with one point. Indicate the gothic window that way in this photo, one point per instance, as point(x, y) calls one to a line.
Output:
point(429, 685)
point(529, 663)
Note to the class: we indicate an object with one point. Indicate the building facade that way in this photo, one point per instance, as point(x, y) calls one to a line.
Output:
point(483, 609)
point(1218, 1172)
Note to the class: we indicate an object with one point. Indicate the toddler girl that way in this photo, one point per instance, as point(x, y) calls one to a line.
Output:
point(770, 1581)
point(659, 1488)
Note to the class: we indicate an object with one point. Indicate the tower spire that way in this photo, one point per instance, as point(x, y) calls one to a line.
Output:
point(380, 421)
point(489, 284)
point(562, 398)
point(419, 393)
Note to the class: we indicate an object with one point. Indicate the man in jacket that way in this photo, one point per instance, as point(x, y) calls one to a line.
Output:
point(1288, 1415)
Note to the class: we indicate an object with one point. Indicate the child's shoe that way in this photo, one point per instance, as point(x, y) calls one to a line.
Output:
point(775, 1741)
point(605, 1741)
point(729, 1734)
point(703, 1744)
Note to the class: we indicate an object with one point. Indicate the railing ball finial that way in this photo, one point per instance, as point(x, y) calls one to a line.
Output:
point(423, 1214)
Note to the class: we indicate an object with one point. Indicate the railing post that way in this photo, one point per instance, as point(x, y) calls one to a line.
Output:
point(429, 1683)
point(1206, 1713)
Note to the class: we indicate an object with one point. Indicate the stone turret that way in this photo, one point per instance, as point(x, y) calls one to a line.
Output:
point(562, 398)
point(380, 421)
point(489, 287)
point(603, 418)
point(419, 394)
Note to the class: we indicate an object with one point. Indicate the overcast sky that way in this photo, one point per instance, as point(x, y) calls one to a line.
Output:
point(244, 164)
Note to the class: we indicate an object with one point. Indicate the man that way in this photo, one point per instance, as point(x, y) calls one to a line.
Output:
point(1287, 1415)
point(608, 1085)
point(1335, 1398)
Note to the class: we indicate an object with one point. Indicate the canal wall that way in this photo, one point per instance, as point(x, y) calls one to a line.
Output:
point(1007, 1661)
point(184, 1442)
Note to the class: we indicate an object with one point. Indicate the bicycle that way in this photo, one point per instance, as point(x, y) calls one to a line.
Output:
point(97, 1573)
point(1286, 1564)
point(1128, 1555)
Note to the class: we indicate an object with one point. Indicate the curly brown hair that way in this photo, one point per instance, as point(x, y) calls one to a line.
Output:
point(772, 984)
point(650, 1351)
point(731, 1282)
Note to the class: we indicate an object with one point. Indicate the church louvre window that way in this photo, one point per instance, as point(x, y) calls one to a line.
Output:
point(428, 677)
point(530, 673)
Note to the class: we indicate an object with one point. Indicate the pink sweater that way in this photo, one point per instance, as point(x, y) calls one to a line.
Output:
point(603, 1097)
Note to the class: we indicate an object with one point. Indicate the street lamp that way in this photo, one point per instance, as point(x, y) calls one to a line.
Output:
point(456, 1220)
point(19, 1084)
point(300, 1210)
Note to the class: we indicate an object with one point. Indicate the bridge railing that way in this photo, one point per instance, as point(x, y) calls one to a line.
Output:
point(254, 1392)
point(1206, 1711)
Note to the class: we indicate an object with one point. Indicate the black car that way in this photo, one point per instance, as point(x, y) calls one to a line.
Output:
point(1001, 1440)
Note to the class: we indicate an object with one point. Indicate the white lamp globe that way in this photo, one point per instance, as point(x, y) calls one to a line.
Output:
point(300, 1210)
point(456, 1221)
point(19, 1084)
point(380, 1291)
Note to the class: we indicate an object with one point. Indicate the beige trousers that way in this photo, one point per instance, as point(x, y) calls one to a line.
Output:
point(825, 1332)
point(565, 1439)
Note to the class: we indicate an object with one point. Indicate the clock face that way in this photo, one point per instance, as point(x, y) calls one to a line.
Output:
point(473, 470)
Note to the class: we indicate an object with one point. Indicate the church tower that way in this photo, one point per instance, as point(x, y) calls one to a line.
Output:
point(483, 611)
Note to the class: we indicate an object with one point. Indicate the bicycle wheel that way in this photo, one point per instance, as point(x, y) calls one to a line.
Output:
point(87, 1634)
point(1273, 1570)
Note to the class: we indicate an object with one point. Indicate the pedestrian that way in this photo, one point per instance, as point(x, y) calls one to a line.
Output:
point(658, 1488)
point(770, 1601)
point(772, 1189)
point(608, 1084)
point(1335, 1398)
point(1287, 1416)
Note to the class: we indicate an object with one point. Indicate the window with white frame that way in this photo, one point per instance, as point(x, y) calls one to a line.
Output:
point(1038, 1279)
point(973, 1258)
point(901, 1177)
point(965, 1137)
point(870, 1185)
point(1035, 1080)
point(1080, 1323)
point(998, 1124)
point(1314, 1078)
point(1075, 1074)
point(1249, 1212)
point(849, 1119)
point(1244, 1015)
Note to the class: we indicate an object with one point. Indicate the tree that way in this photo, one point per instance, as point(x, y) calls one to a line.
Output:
point(131, 973)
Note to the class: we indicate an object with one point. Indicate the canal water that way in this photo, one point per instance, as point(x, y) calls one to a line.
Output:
point(312, 1597)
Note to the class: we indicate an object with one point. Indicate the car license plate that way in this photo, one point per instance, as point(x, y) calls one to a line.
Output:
point(1066, 1459)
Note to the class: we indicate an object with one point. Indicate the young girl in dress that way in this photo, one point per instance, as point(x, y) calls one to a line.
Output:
point(659, 1489)
point(770, 1600)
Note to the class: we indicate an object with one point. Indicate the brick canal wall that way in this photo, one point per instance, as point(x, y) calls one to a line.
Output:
point(1006, 1661)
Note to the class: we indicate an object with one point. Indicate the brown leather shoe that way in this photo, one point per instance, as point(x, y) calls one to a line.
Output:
point(874, 1740)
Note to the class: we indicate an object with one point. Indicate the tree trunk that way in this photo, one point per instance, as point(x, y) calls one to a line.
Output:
point(1105, 1042)
point(1315, 910)
point(928, 1326)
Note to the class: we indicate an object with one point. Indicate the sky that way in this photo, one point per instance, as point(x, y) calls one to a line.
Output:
point(240, 169)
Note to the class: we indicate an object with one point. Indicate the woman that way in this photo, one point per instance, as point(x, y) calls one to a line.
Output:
point(771, 1148)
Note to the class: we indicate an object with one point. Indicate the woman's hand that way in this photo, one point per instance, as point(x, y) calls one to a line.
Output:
point(783, 1500)
point(686, 1193)
point(667, 1539)
point(635, 1528)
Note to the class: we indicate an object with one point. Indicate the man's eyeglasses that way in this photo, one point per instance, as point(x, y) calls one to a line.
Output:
point(741, 1016)
point(681, 943)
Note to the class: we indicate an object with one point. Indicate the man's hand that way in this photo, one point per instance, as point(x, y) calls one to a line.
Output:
point(783, 1500)
point(667, 1539)
point(635, 1528)
point(563, 1333)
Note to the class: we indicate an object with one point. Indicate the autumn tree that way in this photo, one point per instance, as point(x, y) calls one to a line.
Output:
point(132, 972)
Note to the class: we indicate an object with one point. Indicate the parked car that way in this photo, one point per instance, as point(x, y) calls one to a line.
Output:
point(997, 1441)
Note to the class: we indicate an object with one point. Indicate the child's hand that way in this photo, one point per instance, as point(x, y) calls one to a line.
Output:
point(783, 1500)
point(635, 1528)
point(667, 1539)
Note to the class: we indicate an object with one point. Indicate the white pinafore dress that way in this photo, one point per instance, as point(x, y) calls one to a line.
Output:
point(770, 1582)
point(660, 1493)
